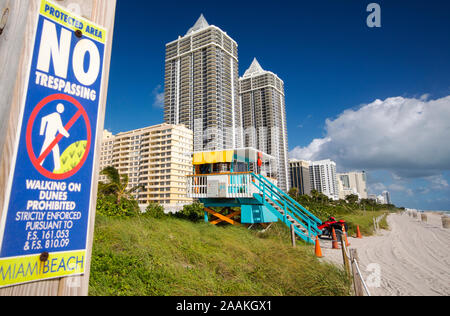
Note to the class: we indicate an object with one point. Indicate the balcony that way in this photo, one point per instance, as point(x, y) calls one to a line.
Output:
point(229, 185)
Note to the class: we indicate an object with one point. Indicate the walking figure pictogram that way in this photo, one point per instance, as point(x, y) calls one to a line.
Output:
point(51, 125)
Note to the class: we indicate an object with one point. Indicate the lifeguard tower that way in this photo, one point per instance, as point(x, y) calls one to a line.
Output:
point(245, 179)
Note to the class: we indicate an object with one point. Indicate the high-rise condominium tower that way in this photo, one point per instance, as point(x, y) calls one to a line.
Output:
point(324, 179)
point(202, 87)
point(264, 117)
point(387, 197)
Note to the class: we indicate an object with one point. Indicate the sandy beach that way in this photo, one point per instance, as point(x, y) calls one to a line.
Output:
point(413, 257)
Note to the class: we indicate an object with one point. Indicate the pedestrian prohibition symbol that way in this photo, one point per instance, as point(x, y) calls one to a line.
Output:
point(51, 126)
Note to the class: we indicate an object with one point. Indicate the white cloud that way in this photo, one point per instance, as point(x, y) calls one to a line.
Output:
point(424, 97)
point(377, 187)
point(397, 187)
point(310, 152)
point(158, 95)
point(408, 137)
point(438, 182)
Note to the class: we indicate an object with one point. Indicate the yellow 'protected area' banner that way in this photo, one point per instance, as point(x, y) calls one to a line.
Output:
point(72, 22)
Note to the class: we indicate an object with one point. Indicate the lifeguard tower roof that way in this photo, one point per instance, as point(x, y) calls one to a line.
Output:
point(248, 155)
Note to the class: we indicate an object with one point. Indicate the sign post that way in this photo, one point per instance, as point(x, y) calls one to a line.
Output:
point(49, 168)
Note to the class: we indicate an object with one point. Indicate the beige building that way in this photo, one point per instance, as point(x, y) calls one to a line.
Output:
point(158, 157)
point(202, 87)
point(352, 183)
point(300, 177)
point(264, 117)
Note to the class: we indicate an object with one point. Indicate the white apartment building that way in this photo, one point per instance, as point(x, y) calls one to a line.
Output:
point(158, 157)
point(324, 178)
point(381, 200)
point(387, 197)
point(352, 183)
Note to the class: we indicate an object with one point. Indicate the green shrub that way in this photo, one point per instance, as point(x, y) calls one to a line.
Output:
point(194, 212)
point(154, 210)
point(108, 206)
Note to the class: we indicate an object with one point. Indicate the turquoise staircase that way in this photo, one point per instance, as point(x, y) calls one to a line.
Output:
point(288, 211)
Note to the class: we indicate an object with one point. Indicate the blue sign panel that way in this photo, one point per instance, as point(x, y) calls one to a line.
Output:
point(49, 194)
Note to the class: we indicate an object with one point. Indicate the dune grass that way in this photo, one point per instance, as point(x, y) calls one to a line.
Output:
point(365, 222)
point(168, 256)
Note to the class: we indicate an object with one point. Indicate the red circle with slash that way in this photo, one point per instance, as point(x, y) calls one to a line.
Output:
point(36, 161)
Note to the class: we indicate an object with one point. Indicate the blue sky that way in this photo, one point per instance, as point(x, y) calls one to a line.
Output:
point(334, 68)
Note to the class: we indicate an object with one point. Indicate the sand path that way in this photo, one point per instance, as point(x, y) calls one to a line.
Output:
point(413, 257)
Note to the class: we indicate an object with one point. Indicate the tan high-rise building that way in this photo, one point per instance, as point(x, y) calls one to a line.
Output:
point(158, 157)
point(352, 183)
point(264, 117)
point(202, 87)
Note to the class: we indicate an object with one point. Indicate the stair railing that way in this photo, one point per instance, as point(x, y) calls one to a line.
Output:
point(287, 197)
point(289, 205)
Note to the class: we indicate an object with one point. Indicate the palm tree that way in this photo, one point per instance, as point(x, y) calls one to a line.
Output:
point(352, 198)
point(117, 185)
point(293, 193)
point(315, 195)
